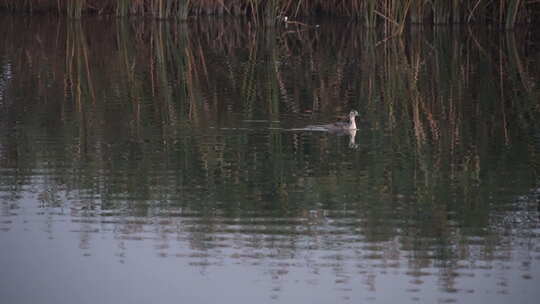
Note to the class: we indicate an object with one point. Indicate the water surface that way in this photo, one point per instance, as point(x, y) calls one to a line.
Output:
point(155, 162)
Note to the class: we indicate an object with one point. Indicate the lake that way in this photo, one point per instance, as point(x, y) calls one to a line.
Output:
point(167, 162)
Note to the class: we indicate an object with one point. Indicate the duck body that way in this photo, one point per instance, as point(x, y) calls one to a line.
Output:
point(340, 126)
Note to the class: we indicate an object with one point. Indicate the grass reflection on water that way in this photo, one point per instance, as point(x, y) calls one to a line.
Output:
point(176, 138)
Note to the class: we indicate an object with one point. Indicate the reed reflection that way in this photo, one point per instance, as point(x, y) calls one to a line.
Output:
point(180, 135)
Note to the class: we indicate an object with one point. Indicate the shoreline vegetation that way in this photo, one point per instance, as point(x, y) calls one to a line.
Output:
point(392, 14)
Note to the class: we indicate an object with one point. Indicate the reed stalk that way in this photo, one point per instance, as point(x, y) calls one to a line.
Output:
point(75, 8)
point(182, 9)
point(441, 11)
point(122, 8)
point(512, 13)
point(272, 11)
point(370, 12)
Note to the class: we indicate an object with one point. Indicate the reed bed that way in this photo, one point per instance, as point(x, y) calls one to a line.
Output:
point(393, 14)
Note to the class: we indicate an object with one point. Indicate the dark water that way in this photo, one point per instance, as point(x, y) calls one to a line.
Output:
point(145, 162)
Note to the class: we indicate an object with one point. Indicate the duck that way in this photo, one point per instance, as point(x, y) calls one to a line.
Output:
point(344, 126)
point(339, 128)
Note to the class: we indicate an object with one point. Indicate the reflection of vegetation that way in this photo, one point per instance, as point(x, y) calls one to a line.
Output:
point(144, 127)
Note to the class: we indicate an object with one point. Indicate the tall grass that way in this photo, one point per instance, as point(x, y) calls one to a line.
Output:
point(392, 14)
point(74, 8)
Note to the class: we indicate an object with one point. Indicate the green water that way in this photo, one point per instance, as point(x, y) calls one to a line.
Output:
point(159, 162)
